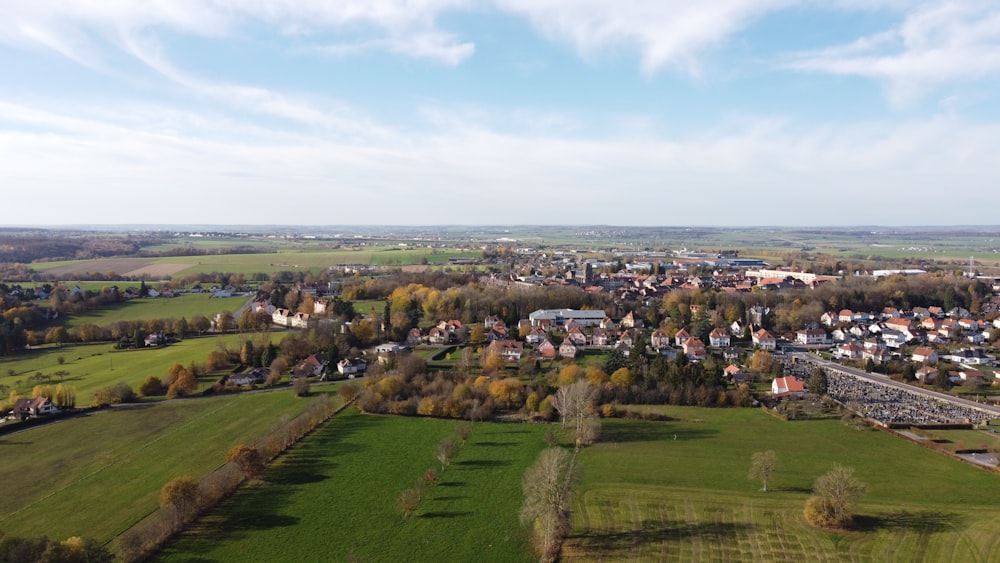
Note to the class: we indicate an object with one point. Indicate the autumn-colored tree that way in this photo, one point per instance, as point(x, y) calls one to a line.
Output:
point(508, 392)
point(184, 385)
point(151, 386)
point(597, 377)
point(181, 493)
point(623, 378)
point(65, 396)
point(477, 333)
point(762, 361)
point(42, 391)
point(569, 374)
point(835, 495)
point(249, 460)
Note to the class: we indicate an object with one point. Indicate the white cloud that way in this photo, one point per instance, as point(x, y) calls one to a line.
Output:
point(403, 27)
point(198, 168)
point(669, 33)
point(937, 43)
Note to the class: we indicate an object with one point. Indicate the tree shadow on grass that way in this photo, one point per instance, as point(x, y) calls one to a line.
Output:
point(495, 444)
point(446, 514)
point(448, 498)
point(477, 463)
point(920, 520)
point(450, 484)
point(647, 431)
point(615, 544)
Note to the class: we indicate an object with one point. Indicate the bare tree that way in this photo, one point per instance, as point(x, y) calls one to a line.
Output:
point(446, 450)
point(575, 404)
point(762, 466)
point(547, 486)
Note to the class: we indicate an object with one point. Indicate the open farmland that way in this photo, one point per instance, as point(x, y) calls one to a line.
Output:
point(96, 475)
point(332, 498)
point(186, 305)
point(312, 261)
point(94, 366)
point(679, 491)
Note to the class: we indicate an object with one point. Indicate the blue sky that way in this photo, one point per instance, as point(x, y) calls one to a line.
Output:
point(316, 112)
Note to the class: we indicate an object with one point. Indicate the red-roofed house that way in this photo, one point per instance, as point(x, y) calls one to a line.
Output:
point(719, 338)
point(694, 349)
point(681, 337)
point(764, 340)
point(785, 386)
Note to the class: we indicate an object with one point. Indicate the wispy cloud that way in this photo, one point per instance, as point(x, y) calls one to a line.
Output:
point(403, 27)
point(937, 43)
point(465, 171)
point(666, 34)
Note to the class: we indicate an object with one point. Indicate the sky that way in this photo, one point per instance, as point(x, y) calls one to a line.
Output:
point(500, 112)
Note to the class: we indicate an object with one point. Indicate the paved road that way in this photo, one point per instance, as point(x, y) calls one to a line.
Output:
point(882, 380)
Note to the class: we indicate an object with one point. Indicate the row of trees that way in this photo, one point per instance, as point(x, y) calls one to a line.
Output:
point(409, 500)
point(183, 498)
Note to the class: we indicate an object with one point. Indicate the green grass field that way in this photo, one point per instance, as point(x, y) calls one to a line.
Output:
point(187, 306)
point(679, 491)
point(284, 259)
point(96, 475)
point(332, 498)
point(94, 366)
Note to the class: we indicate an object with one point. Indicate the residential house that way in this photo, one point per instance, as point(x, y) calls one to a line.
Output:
point(509, 350)
point(845, 316)
point(787, 386)
point(967, 374)
point(351, 368)
point(848, 351)
point(311, 366)
point(737, 329)
point(925, 355)
point(764, 340)
point(536, 336)
point(577, 337)
point(893, 338)
point(694, 349)
point(681, 337)
point(263, 306)
point(599, 337)
point(970, 357)
point(732, 371)
point(280, 317)
point(719, 338)
point(33, 408)
point(926, 374)
point(253, 376)
point(811, 337)
point(567, 349)
point(300, 320)
point(413, 337)
point(659, 339)
point(629, 321)
point(625, 348)
point(438, 336)
point(829, 318)
point(547, 350)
